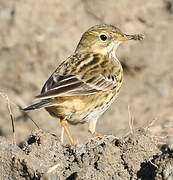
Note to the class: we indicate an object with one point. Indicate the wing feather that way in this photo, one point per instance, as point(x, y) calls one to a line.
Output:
point(78, 84)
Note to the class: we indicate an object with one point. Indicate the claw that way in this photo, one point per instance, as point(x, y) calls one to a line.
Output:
point(100, 136)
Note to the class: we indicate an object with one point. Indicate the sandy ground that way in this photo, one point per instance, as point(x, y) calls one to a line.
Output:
point(36, 36)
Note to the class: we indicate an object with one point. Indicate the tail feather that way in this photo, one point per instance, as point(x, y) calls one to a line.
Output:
point(39, 105)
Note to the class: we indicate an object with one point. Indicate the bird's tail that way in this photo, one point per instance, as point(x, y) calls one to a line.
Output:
point(41, 104)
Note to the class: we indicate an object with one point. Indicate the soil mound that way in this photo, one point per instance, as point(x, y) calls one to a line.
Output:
point(42, 156)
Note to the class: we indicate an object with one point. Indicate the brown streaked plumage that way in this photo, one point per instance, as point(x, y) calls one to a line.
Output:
point(83, 87)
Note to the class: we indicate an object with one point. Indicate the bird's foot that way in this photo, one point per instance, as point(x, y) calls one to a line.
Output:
point(99, 135)
point(70, 145)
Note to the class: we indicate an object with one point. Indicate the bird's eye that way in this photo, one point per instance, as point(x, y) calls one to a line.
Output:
point(103, 37)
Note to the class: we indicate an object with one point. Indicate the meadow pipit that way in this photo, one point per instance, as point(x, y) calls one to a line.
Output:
point(83, 87)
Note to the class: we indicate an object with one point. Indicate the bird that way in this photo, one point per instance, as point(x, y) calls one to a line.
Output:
point(83, 86)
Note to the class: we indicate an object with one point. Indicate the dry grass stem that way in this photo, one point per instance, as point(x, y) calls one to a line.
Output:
point(11, 114)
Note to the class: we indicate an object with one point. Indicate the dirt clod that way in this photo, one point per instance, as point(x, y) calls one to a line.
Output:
point(43, 156)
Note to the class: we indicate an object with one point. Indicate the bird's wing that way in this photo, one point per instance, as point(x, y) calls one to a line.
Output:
point(82, 75)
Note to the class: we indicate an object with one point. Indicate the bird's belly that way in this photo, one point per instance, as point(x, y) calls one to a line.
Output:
point(80, 109)
point(96, 113)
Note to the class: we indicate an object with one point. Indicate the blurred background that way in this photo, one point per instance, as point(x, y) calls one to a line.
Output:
point(36, 36)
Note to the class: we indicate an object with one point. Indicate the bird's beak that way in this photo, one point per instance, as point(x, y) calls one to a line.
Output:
point(126, 37)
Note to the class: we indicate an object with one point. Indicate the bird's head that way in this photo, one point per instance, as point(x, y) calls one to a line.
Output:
point(103, 39)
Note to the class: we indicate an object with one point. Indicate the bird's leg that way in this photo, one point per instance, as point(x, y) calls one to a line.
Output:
point(62, 134)
point(64, 125)
point(92, 127)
